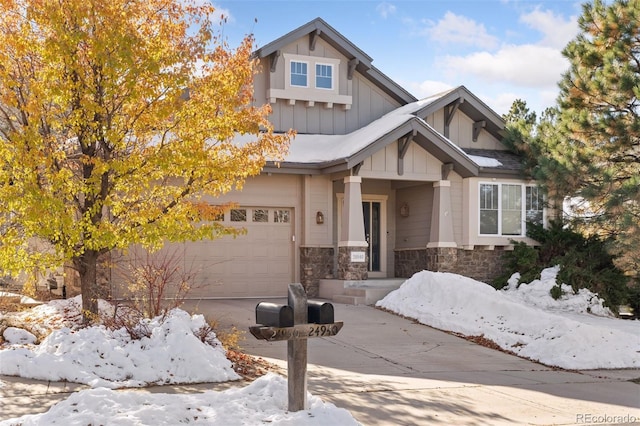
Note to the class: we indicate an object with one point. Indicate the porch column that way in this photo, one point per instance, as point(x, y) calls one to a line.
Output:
point(441, 217)
point(442, 252)
point(352, 246)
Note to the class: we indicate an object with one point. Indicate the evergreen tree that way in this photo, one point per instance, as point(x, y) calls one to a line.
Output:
point(590, 148)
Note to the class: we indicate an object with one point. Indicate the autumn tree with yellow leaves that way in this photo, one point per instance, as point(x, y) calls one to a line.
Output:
point(116, 118)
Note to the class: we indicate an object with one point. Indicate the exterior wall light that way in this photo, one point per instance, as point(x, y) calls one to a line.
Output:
point(404, 210)
point(319, 218)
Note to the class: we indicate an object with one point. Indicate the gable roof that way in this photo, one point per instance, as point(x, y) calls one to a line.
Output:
point(319, 28)
point(468, 103)
point(322, 154)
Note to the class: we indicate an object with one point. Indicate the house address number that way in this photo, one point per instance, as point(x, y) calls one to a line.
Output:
point(300, 331)
point(358, 256)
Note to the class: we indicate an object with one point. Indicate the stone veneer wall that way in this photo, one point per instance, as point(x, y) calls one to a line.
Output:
point(481, 265)
point(409, 261)
point(316, 263)
point(348, 270)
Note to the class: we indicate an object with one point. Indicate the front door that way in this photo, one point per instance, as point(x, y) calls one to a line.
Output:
point(371, 211)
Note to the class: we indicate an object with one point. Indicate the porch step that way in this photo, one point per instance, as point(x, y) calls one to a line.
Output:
point(349, 300)
point(362, 292)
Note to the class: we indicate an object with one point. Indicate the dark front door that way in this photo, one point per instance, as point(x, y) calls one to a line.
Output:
point(371, 212)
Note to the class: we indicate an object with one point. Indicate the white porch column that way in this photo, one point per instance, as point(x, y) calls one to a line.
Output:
point(352, 245)
point(441, 217)
point(352, 232)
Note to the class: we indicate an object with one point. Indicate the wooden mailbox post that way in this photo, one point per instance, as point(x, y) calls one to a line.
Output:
point(295, 322)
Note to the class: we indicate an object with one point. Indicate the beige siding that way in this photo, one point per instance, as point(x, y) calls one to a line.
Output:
point(317, 198)
point(418, 165)
point(461, 131)
point(413, 231)
point(464, 126)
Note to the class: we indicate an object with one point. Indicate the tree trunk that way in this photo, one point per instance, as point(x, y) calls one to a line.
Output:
point(86, 264)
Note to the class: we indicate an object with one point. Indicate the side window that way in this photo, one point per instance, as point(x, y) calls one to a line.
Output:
point(534, 205)
point(299, 74)
point(488, 209)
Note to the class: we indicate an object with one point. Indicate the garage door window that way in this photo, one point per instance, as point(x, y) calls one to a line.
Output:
point(238, 215)
point(260, 215)
point(281, 216)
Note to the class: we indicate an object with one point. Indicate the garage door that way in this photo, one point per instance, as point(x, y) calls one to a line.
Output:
point(256, 264)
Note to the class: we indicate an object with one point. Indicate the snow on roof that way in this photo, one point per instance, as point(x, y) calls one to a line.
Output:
point(485, 161)
point(322, 148)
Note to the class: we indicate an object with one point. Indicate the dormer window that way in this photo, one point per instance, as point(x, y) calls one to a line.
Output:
point(311, 73)
point(310, 79)
point(298, 74)
point(324, 76)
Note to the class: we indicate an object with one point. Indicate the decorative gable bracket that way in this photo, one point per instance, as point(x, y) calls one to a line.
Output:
point(274, 60)
point(313, 37)
point(351, 68)
point(449, 112)
point(477, 126)
point(403, 146)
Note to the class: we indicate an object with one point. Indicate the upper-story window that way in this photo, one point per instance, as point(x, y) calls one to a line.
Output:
point(310, 79)
point(324, 76)
point(299, 73)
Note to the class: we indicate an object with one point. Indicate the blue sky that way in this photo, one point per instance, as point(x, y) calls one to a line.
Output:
point(501, 50)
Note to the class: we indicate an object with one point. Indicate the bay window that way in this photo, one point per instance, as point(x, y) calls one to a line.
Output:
point(504, 208)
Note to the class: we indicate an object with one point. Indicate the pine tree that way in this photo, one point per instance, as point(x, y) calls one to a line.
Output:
point(597, 146)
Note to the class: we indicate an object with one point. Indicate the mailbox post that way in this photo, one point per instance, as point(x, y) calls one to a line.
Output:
point(310, 319)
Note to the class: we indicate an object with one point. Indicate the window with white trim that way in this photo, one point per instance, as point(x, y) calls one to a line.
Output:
point(488, 209)
point(505, 208)
point(324, 76)
point(299, 73)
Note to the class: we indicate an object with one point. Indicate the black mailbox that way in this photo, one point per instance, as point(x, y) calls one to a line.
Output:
point(320, 312)
point(274, 315)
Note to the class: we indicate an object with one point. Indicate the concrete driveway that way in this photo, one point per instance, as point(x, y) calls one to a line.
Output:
point(388, 370)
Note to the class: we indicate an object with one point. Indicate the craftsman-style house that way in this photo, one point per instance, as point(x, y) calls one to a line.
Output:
point(377, 184)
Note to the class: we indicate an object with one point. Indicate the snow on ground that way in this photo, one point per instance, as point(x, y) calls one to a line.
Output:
point(523, 319)
point(262, 402)
point(102, 357)
point(170, 352)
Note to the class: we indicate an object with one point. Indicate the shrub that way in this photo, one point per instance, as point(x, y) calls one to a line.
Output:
point(156, 283)
point(585, 262)
point(633, 298)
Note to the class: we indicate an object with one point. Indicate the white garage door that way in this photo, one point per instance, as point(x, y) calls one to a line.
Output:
point(256, 264)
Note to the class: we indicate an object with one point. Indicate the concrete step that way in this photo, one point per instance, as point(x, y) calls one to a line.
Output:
point(361, 292)
point(358, 292)
point(349, 300)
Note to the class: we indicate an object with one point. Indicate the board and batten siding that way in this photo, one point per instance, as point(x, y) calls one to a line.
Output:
point(368, 102)
point(418, 165)
point(461, 131)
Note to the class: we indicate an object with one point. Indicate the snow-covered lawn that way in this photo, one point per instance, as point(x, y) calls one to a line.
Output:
point(178, 349)
point(573, 332)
